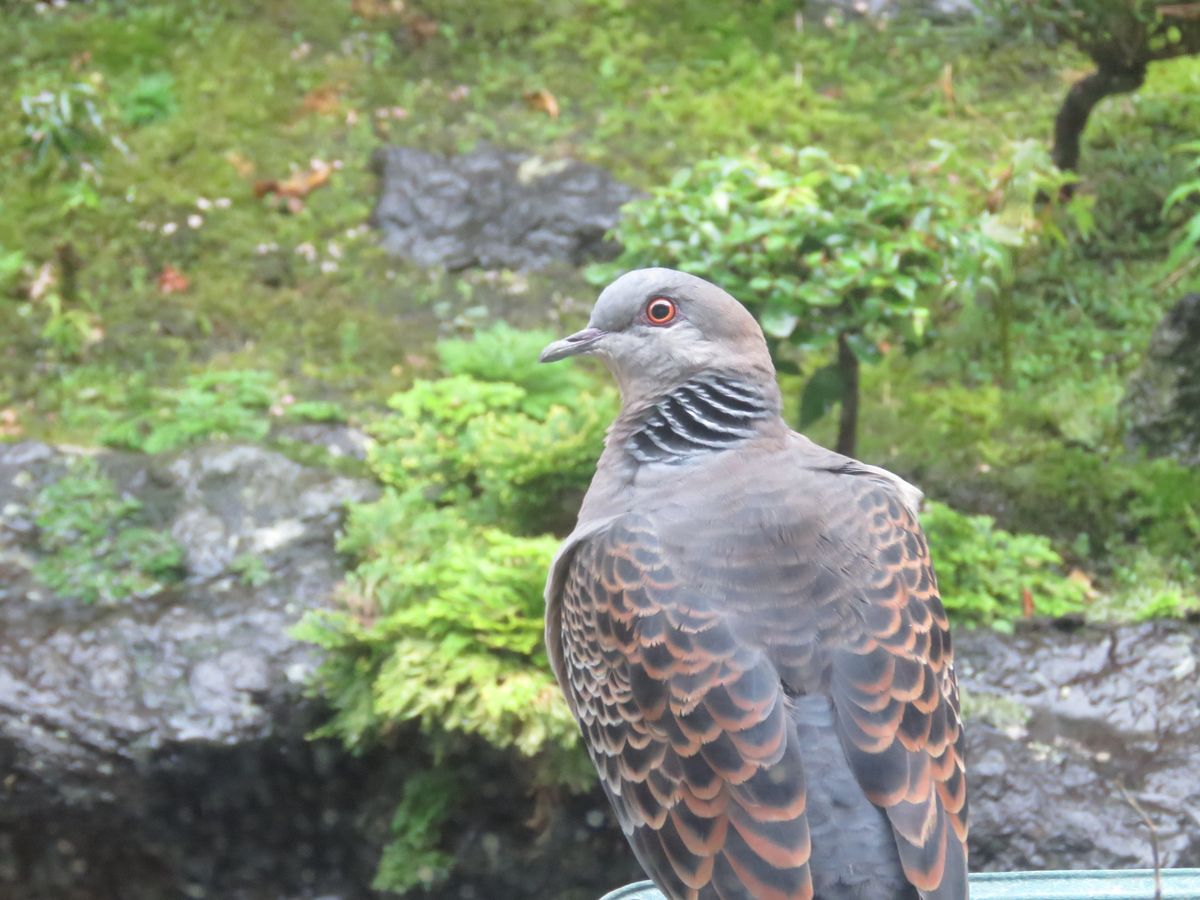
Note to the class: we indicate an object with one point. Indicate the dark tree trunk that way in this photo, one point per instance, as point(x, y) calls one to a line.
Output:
point(847, 363)
point(1081, 99)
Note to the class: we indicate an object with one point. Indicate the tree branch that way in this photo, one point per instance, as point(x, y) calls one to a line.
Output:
point(1081, 99)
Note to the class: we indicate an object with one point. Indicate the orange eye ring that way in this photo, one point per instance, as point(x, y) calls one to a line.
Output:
point(660, 311)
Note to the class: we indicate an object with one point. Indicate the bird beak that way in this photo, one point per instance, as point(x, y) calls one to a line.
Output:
point(579, 342)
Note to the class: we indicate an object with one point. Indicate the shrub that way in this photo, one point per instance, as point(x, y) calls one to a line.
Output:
point(985, 573)
point(826, 255)
point(441, 620)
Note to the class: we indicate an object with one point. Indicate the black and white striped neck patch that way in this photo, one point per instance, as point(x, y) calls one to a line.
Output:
point(706, 414)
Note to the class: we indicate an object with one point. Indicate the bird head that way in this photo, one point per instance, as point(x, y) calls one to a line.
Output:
point(656, 328)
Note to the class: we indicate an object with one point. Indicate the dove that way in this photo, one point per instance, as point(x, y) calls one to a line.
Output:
point(747, 627)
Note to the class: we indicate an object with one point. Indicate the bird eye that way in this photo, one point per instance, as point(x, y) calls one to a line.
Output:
point(660, 311)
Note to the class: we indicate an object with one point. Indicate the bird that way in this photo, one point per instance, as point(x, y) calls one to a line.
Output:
point(747, 627)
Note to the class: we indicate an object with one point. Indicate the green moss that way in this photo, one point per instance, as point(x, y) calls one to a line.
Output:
point(95, 546)
point(997, 710)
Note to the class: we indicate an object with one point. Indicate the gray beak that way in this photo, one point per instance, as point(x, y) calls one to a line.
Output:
point(579, 342)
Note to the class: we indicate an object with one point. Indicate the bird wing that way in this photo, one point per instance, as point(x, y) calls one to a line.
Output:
point(685, 722)
point(894, 689)
point(680, 636)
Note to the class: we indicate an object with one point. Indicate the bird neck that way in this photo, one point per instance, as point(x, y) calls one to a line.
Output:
point(708, 413)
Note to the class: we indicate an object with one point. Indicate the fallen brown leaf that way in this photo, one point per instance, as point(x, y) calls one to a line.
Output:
point(172, 281)
point(243, 166)
point(10, 424)
point(296, 186)
point(322, 101)
point(377, 9)
point(1084, 580)
point(544, 101)
point(1026, 603)
point(422, 29)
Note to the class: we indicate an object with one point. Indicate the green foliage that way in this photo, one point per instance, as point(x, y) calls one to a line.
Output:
point(67, 330)
point(150, 99)
point(12, 262)
point(509, 355)
point(1117, 34)
point(819, 251)
point(441, 624)
point(1186, 249)
point(64, 127)
point(410, 860)
point(229, 405)
point(315, 411)
point(984, 571)
point(95, 544)
point(250, 570)
point(514, 449)
point(815, 247)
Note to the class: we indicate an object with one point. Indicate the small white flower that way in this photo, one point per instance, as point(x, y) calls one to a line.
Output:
point(328, 266)
point(337, 164)
point(307, 250)
point(334, 250)
point(169, 228)
point(195, 220)
point(203, 203)
point(222, 203)
point(300, 51)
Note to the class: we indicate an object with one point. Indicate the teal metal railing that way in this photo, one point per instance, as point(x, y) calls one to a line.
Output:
point(1134, 884)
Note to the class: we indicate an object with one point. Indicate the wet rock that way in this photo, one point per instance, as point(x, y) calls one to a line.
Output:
point(1162, 401)
point(335, 439)
point(1059, 722)
point(156, 747)
point(494, 209)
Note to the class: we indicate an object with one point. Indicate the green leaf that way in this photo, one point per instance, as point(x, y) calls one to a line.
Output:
point(779, 323)
point(822, 392)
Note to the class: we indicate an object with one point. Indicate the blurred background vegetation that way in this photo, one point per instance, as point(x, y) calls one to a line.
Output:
point(184, 256)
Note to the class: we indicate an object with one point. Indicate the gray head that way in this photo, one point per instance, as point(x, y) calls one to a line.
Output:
point(656, 328)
